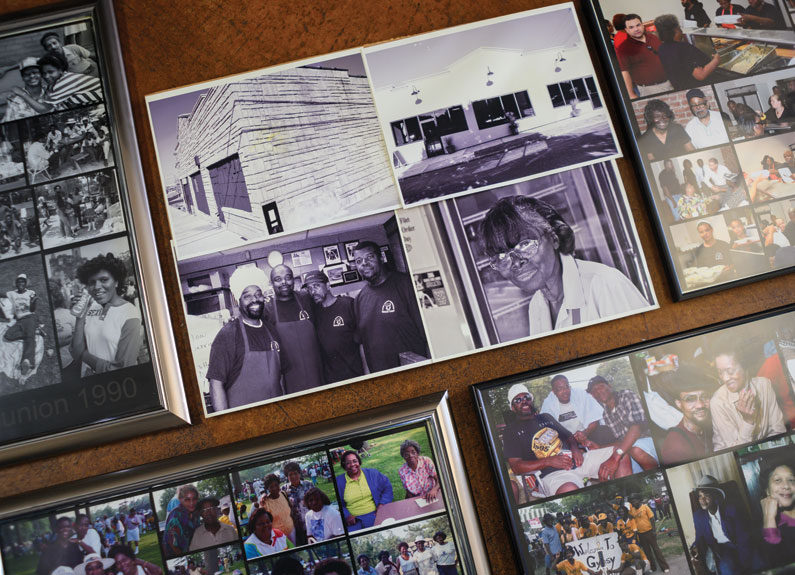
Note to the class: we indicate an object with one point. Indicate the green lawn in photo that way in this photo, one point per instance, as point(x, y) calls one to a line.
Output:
point(149, 549)
point(25, 565)
point(385, 456)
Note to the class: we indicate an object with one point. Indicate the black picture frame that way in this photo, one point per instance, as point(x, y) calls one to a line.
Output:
point(515, 496)
point(748, 262)
point(93, 166)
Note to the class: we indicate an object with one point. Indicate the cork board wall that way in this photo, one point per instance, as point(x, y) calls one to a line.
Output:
point(170, 44)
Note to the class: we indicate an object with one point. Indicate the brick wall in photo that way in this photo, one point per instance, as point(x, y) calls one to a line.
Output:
point(678, 104)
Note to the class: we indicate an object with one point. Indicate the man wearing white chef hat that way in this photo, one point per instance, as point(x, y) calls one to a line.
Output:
point(247, 361)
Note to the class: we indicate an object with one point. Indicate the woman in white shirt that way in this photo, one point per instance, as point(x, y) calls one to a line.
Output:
point(322, 520)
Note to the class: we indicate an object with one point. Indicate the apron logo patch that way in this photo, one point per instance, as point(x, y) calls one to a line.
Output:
point(302, 315)
point(338, 322)
point(275, 345)
point(388, 307)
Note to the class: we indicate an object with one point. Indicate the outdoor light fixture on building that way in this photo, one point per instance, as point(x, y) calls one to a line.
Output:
point(489, 74)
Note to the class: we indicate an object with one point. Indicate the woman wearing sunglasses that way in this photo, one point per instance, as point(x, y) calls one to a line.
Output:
point(531, 246)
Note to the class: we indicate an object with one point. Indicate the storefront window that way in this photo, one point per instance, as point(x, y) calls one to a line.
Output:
point(493, 111)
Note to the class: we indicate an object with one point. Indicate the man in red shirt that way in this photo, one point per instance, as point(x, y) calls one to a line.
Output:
point(640, 64)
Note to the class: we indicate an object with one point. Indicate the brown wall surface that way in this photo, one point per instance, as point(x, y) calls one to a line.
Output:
point(169, 44)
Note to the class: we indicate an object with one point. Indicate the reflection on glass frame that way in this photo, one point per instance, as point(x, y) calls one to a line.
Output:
point(601, 420)
point(252, 505)
point(76, 245)
point(694, 87)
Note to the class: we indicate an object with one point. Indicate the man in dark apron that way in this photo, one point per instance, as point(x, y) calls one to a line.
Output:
point(247, 359)
point(294, 319)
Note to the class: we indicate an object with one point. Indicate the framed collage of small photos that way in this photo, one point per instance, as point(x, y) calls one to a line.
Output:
point(267, 505)
point(620, 457)
point(707, 91)
point(85, 341)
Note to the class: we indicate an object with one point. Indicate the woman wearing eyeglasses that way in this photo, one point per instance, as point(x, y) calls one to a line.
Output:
point(530, 245)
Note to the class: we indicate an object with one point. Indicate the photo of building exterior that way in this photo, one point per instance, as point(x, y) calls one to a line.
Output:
point(277, 152)
point(478, 107)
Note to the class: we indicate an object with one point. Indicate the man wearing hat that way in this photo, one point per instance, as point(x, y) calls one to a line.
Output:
point(426, 564)
point(535, 442)
point(24, 329)
point(691, 390)
point(211, 532)
point(722, 528)
point(93, 564)
point(19, 100)
point(294, 317)
point(336, 330)
point(706, 128)
point(246, 358)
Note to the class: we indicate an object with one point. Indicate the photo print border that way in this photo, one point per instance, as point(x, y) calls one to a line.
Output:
point(492, 429)
point(429, 412)
point(153, 397)
point(712, 281)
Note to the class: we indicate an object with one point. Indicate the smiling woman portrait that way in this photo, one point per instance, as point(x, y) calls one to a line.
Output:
point(108, 332)
point(531, 246)
point(777, 479)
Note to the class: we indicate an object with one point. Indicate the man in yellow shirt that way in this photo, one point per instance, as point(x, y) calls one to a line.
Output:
point(571, 566)
point(633, 560)
point(587, 528)
point(604, 524)
point(647, 537)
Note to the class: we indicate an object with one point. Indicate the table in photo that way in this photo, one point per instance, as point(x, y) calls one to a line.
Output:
point(411, 507)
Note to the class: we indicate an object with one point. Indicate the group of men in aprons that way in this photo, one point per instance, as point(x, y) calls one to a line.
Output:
point(302, 339)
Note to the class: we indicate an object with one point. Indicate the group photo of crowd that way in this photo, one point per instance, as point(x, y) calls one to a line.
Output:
point(626, 527)
point(561, 432)
point(225, 560)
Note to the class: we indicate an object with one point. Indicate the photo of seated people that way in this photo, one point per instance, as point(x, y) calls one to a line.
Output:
point(289, 319)
point(698, 184)
point(421, 548)
point(189, 516)
point(777, 222)
point(27, 334)
point(679, 123)
point(678, 45)
point(715, 514)
point(769, 473)
point(78, 543)
point(19, 230)
point(768, 166)
point(67, 143)
point(129, 521)
point(707, 252)
point(764, 106)
point(306, 561)
point(12, 168)
point(386, 478)
point(298, 494)
point(624, 527)
point(719, 391)
point(78, 208)
point(101, 326)
point(224, 560)
point(559, 432)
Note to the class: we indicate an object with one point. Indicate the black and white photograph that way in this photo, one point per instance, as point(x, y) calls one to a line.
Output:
point(79, 208)
point(769, 167)
point(28, 357)
point(19, 228)
point(332, 254)
point(426, 546)
point(530, 259)
point(719, 391)
point(67, 143)
point(50, 69)
point(263, 329)
point(12, 167)
point(349, 250)
point(299, 147)
point(759, 106)
point(100, 322)
point(482, 105)
point(587, 425)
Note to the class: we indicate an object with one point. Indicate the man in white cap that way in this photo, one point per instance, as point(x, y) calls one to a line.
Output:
point(722, 528)
point(426, 564)
point(93, 564)
point(535, 442)
point(24, 330)
point(17, 106)
point(246, 358)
